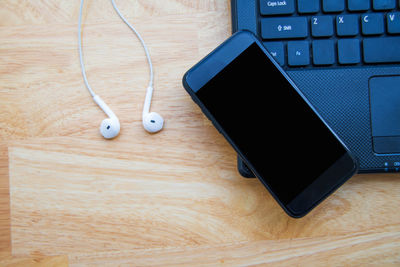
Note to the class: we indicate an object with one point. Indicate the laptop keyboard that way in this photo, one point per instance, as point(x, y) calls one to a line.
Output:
point(330, 33)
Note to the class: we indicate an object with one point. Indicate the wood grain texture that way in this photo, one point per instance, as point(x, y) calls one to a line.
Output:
point(5, 233)
point(372, 248)
point(173, 198)
point(50, 261)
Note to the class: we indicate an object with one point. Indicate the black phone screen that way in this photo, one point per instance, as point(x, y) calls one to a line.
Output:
point(275, 129)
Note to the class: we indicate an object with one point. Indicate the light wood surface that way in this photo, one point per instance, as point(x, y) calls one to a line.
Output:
point(173, 198)
point(49, 261)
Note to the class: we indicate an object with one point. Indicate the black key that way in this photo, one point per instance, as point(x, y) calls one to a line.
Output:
point(347, 25)
point(333, 5)
point(308, 6)
point(323, 52)
point(277, 51)
point(349, 51)
point(322, 26)
point(276, 7)
point(372, 23)
point(298, 53)
point(358, 5)
point(281, 28)
point(384, 4)
point(393, 22)
point(381, 50)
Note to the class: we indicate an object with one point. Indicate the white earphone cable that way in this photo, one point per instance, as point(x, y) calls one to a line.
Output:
point(81, 54)
point(140, 39)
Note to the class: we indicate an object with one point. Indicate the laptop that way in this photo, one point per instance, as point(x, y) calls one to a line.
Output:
point(344, 55)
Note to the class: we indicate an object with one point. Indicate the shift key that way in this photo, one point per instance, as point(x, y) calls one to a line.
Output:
point(381, 50)
point(284, 28)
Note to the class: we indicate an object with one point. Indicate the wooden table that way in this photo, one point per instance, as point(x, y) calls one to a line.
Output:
point(172, 198)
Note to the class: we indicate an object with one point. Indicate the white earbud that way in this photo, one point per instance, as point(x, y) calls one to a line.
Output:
point(109, 127)
point(152, 121)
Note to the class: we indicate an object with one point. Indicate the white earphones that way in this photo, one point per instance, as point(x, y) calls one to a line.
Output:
point(152, 121)
point(110, 127)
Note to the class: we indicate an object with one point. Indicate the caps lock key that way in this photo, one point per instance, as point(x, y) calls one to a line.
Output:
point(276, 7)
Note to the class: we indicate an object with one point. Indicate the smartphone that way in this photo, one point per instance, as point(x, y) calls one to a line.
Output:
point(268, 121)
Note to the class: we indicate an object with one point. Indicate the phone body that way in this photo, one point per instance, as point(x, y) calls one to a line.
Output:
point(268, 121)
